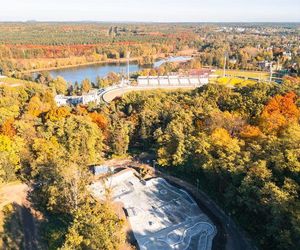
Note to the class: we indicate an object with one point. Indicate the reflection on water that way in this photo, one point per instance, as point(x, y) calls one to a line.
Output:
point(92, 71)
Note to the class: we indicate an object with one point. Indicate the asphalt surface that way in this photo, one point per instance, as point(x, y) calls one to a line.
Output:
point(110, 94)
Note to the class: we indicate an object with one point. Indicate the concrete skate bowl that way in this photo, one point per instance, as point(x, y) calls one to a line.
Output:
point(157, 245)
point(219, 241)
point(194, 237)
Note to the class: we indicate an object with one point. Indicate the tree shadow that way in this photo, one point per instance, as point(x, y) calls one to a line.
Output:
point(12, 235)
point(19, 228)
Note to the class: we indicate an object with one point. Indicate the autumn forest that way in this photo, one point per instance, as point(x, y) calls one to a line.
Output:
point(240, 144)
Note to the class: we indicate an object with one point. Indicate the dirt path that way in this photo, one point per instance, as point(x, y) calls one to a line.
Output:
point(12, 193)
point(29, 229)
point(16, 194)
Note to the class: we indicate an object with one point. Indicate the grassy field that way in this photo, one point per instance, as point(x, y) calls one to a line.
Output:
point(247, 74)
point(232, 81)
point(13, 81)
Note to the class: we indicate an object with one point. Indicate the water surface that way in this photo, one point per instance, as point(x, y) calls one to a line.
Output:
point(91, 72)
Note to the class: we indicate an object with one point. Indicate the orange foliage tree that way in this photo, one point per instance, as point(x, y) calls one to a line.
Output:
point(279, 112)
point(58, 113)
point(249, 131)
point(8, 129)
point(99, 119)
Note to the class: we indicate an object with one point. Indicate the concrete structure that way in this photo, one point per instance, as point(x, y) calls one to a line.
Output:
point(100, 170)
point(176, 59)
point(92, 96)
point(173, 80)
point(194, 79)
point(162, 216)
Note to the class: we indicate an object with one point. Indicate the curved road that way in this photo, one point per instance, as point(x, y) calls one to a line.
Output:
point(112, 92)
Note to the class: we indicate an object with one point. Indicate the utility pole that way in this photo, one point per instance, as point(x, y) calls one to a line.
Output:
point(128, 73)
point(271, 72)
point(225, 61)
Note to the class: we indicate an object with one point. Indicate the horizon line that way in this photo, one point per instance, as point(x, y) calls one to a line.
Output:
point(132, 21)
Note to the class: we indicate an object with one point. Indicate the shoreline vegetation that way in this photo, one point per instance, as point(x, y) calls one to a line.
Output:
point(108, 61)
point(112, 60)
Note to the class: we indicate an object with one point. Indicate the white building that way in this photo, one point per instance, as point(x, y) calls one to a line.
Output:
point(173, 80)
point(92, 96)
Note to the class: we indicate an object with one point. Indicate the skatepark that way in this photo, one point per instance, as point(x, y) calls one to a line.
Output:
point(161, 216)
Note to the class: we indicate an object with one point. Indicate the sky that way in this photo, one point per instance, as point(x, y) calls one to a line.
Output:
point(151, 10)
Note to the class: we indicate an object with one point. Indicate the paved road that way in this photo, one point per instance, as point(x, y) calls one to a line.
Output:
point(113, 92)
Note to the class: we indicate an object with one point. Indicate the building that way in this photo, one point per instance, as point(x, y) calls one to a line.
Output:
point(62, 100)
point(194, 77)
point(266, 65)
point(84, 99)
point(287, 55)
point(99, 170)
point(176, 80)
point(92, 96)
